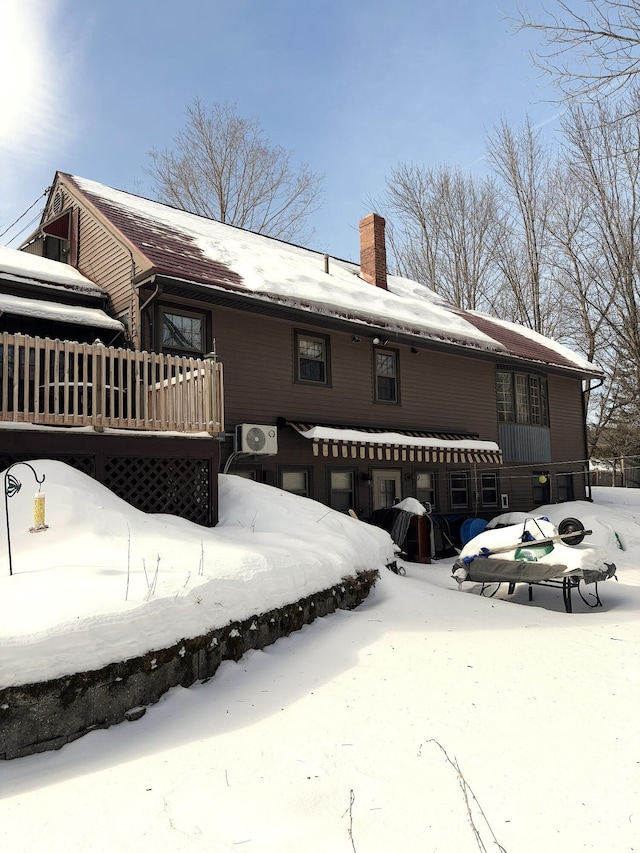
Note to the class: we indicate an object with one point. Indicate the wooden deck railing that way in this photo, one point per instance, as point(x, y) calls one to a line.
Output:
point(63, 383)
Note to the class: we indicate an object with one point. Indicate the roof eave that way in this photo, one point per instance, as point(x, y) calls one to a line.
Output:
point(355, 324)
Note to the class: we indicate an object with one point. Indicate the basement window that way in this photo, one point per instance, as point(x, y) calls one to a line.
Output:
point(489, 489)
point(295, 480)
point(341, 490)
point(459, 490)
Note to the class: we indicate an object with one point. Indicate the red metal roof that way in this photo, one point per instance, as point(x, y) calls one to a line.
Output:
point(517, 344)
point(169, 251)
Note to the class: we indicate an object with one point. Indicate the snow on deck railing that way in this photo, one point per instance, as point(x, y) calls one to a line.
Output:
point(64, 383)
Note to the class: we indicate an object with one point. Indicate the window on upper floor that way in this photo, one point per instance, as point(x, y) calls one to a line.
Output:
point(386, 376)
point(312, 358)
point(522, 398)
point(183, 333)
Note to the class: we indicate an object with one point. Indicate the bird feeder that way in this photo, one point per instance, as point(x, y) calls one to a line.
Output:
point(38, 513)
point(11, 488)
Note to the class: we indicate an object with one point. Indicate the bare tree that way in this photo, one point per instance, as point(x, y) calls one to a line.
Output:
point(592, 47)
point(603, 154)
point(579, 268)
point(220, 166)
point(525, 171)
point(444, 228)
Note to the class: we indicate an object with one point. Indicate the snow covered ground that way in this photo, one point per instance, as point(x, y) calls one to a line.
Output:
point(362, 732)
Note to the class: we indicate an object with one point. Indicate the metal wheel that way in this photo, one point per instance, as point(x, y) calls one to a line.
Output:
point(569, 525)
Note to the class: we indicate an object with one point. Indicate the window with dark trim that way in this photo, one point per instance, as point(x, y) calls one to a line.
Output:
point(183, 333)
point(426, 487)
point(248, 472)
point(541, 488)
point(522, 398)
point(459, 489)
point(341, 490)
point(489, 489)
point(312, 358)
point(295, 480)
point(565, 487)
point(385, 363)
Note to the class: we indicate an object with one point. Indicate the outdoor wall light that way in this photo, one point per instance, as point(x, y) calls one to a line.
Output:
point(382, 341)
point(414, 350)
point(355, 339)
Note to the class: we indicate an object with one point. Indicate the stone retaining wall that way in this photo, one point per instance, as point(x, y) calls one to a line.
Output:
point(46, 715)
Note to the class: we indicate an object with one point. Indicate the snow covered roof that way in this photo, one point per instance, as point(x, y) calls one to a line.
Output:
point(195, 249)
point(25, 268)
point(58, 312)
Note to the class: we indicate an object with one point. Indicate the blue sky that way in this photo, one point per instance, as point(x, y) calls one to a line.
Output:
point(352, 87)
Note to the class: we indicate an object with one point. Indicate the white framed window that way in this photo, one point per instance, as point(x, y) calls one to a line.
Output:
point(522, 398)
point(295, 480)
point(426, 487)
point(387, 487)
point(341, 490)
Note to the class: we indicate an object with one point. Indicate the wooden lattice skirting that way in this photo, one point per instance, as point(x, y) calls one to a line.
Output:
point(154, 473)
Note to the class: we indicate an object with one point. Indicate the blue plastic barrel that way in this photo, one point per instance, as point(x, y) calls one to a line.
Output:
point(470, 528)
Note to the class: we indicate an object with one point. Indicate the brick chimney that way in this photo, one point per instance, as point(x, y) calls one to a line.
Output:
point(373, 254)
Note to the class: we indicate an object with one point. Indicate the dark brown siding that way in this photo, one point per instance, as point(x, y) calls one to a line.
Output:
point(105, 261)
point(567, 431)
point(257, 353)
point(437, 392)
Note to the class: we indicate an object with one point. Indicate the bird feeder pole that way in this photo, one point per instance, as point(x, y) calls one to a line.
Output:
point(11, 487)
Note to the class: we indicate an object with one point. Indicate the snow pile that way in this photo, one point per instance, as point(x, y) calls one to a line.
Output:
point(106, 582)
point(412, 506)
point(331, 739)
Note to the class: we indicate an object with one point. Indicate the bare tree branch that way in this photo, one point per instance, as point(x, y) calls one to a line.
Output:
point(592, 47)
point(444, 226)
point(221, 167)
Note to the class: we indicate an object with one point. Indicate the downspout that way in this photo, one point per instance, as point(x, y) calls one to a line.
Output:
point(144, 305)
point(587, 391)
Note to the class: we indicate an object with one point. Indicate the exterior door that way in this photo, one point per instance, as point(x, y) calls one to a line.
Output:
point(387, 486)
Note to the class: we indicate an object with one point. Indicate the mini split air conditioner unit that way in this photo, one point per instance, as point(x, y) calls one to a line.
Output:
point(256, 438)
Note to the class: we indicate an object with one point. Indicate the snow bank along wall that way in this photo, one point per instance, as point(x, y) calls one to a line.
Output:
point(47, 715)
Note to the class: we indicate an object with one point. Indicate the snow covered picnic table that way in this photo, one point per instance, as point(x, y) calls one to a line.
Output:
point(540, 557)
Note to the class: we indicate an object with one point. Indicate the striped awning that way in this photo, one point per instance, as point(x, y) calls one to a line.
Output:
point(384, 445)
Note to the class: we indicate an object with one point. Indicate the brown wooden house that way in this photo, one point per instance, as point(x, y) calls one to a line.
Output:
point(145, 425)
point(342, 382)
